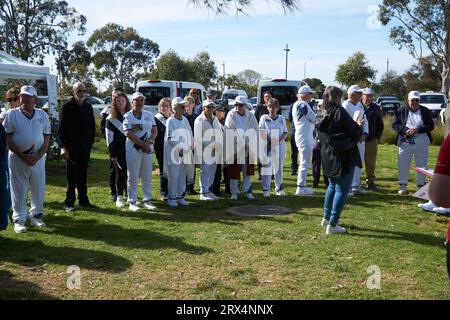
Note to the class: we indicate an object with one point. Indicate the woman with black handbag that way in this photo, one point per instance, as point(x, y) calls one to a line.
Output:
point(339, 135)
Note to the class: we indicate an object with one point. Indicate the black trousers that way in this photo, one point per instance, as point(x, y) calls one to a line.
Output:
point(163, 182)
point(112, 178)
point(120, 175)
point(215, 188)
point(317, 166)
point(294, 152)
point(76, 169)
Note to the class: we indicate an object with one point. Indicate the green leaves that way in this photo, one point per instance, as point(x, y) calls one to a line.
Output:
point(356, 70)
point(120, 53)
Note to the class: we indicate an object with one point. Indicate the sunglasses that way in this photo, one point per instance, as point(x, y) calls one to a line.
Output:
point(415, 100)
point(81, 91)
point(12, 99)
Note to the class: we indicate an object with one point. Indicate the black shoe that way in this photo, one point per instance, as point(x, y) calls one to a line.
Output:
point(87, 206)
point(372, 187)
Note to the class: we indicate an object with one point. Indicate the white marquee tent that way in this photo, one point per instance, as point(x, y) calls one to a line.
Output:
point(14, 68)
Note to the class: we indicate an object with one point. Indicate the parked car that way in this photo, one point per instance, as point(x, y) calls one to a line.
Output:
point(284, 90)
point(387, 97)
point(435, 101)
point(97, 104)
point(253, 101)
point(389, 106)
point(231, 94)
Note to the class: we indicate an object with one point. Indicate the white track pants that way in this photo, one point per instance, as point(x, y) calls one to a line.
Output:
point(277, 170)
point(207, 175)
point(357, 177)
point(305, 152)
point(246, 183)
point(139, 164)
point(406, 152)
point(25, 178)
point(177, 181)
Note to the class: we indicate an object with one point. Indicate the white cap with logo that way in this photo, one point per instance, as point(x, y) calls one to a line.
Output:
point(414, 95)
point(28, 90)
point(354, 88)
point(240, 100)
point(305, 90)
point(368, 91)
point(137, 95)
point(178, 101)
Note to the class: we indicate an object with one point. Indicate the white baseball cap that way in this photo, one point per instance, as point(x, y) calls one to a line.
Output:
point(414, 95)
point(208, 103)
point(305, 90)
point(240, 100)
point(179, 101)
point(368, 91)
point(137, 95)
point(354, 88)
point(28, 90)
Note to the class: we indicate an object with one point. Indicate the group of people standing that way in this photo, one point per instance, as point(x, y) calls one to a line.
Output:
point(185, 132)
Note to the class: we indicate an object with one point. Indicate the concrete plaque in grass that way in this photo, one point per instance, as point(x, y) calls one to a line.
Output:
point(258, 211)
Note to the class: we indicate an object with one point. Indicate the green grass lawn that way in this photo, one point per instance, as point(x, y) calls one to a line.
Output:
point(201, 252)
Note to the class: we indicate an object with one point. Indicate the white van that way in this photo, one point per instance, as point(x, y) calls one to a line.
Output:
point(284, 90)
point(155, 90)
point(231, 94)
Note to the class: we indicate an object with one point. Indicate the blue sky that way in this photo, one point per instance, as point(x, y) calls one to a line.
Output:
point(328, 31)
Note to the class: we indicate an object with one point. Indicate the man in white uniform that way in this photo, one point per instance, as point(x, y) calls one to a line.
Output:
point(28, 134)
point(304, 120)
point(357, 111)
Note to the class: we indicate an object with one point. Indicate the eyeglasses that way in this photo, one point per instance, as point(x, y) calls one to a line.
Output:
point(12, 99)
point(415, 100)
point(81, 91)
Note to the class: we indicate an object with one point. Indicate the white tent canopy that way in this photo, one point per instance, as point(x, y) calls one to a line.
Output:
point(14, 68)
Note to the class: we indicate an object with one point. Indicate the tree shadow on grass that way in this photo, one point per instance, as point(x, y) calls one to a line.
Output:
point(92, 230)
point(35, 253)
point(14, 289)
point(418, 238)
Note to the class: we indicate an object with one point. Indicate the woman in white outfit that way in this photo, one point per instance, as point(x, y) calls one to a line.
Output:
point(140, 130)
point(304, 120)
point(277, 133)
point(178, 156)
point(208, 137)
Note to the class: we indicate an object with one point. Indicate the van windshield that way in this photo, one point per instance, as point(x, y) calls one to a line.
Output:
point(229, 96)
point(154, 94)
point(432, 99)
point(285, 95)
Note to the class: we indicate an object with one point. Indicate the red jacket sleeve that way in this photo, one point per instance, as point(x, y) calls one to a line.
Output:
point(443, 163)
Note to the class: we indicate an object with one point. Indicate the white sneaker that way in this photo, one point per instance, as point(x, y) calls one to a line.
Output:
point(234, 197)
point(442, 211)
point(183, 202)
point(429, 206)
point(119, 202)
point(206, 197)
point(172, 203)
point(402, 190)
point(134, 207)
point(359, 190)
point(213, 196)
point(325, 223)
point(249, 196)
point(19, 227)
point(281, 193)
point(304, 191)
point(38, 223)
point(149, 206)
point(335, 230)
point(266, 194)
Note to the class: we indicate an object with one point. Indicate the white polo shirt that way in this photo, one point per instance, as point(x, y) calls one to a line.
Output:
point(27, 132)
point(139, 126)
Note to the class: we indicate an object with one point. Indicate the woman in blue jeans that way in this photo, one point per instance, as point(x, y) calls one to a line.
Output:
point(339, 135)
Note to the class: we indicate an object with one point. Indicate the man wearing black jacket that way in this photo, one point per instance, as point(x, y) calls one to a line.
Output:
point(76, 135)
point(376, 127)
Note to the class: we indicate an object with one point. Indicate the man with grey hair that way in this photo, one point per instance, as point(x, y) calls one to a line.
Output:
point(76, 134)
